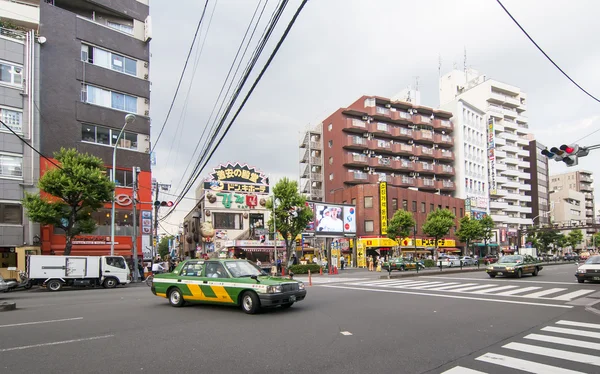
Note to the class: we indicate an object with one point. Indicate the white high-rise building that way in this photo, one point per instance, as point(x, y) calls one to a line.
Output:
point(491, 128)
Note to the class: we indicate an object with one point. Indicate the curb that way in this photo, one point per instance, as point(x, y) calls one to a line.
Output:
point(5, 307)
point(457, 271)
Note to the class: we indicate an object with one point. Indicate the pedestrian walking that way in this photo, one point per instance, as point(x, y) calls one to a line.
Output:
point(342, 262)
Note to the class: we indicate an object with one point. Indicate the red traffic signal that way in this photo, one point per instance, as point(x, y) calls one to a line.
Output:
point(163, 203)
point(569, 149)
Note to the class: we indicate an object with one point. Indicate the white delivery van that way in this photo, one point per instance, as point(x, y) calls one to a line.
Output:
point(54, 272)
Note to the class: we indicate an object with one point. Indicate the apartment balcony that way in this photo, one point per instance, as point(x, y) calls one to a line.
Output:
point(423, 136)
point(380, 128)
point(355, 142)
point(424, 168)
point(446, 125)
point(424, 152)
point(585, 178)
point(403, 181)
point(403, 149)
point(403, 165)
point(496, 97)
point(501, 166)
point(586, 187)
point(589, 204)
point(444, 169)
point(509, 112)
point(402, 133)
point(312, 144)
point(382, 163)
point(422, 120)
point(379, 112)
point(401, 116)
point(443, 140)
point(498, 192)
point(385, 178)
point(316, 176)
point(500, 205)
point(589, 213)
point(357, 177)
point(444, 154)
point(495, 110)
point(20, 13)
point(355, 125)
point(500, 141)
point(380, 145)
point(589, 196)
point(356, 160)
point(426, 184)
point(445, 185)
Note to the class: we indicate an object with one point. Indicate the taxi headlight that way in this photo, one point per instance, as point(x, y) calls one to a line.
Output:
point(273, 289)
point(510, 269)
point(301, 285)
point(490, 268)
point(581, 271)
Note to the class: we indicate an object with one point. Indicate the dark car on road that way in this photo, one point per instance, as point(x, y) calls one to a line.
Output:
point(514, 265)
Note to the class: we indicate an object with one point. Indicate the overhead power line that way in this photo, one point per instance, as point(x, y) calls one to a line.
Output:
point(246, 98)
point(181, 77)
point(545, 54)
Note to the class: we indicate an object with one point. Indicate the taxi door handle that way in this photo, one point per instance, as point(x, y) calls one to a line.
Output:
point(205, 282)
point(178, 280)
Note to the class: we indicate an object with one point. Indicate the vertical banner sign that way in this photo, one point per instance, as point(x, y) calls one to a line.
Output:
point(491, 157)
point(383, 207)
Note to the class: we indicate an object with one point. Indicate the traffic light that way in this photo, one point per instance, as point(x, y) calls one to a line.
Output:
point(570, 156)
point(567, 153)
point(163, 203)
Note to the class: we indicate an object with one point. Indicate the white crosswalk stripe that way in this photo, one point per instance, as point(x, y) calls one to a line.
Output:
point(325, 279)
point(487, 289)
point(558, 348)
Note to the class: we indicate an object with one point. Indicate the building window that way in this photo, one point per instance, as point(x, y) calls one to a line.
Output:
point(369, 226)
point(330, 143)
point(422, 207)
point(454, 211)
point(109, 99)
point(414, 206)
point(11, 74)
point(431, 208)
point(394, 204)
point(330, 160)
point(404, 204)
point(123, 178)
point(11, 214)
point(330, 127)
point(368, 201)
point(230, 221)
point(11, 166)
point(461, 212)
point(128, 29)
point(108, 60)
point(331, 176)
point(13, 119)
point(439, 207)
point(353, 201)
point(106, 136)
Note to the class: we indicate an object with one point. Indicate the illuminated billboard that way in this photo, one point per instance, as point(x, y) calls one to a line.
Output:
point(334, 218)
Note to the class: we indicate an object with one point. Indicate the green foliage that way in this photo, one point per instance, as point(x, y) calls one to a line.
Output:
point(573, 238)
point(288, 224)
point(487, 228)
point(401, 225)
point(303, 269)
point(78, 188)
point(595, 240)
point(163, 246)
point(469, 230)
point(545, 239)
point(438, 225)
point(429, 263)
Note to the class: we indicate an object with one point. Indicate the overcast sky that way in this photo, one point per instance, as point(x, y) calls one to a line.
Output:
point(339, 50)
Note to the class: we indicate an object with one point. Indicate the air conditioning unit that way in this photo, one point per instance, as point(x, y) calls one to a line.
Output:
point(365, 118)
point(146, 101)
point(147, 149)
point(388, 105)
point(147, 113)
point(147, 138)
point(366, 135)
point(146, 76)
point(145, 64)
point(84, 56)
point(84, 96)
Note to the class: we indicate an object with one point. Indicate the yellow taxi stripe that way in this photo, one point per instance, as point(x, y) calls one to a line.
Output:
point(221, 294)
point(161, 294)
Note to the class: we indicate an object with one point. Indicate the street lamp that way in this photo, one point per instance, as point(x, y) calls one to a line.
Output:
point(129, 118)
point(276, 202)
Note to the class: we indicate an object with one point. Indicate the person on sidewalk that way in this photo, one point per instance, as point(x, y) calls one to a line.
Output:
point(342, 262)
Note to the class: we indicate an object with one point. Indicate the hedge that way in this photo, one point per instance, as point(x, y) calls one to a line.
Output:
point(429, 263)
point(303, 269)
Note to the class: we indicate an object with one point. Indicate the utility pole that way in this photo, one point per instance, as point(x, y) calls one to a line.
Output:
point(136, 272)
point(155, 229)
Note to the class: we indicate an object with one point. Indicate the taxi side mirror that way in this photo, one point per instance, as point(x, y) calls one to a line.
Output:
point(255, 278)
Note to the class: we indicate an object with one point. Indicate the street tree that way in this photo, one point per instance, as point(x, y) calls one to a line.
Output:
point(595, 240)
point(72, 192)
point(469, 230)
point(532, 238)
point(560, 241)
point(487, 230)
point(401, 225)
point(438, 225)
point(163, 246)
point(574, 237)
point(545, 238)
point(291, 212)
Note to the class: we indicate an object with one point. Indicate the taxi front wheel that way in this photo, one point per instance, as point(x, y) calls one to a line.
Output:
point(250, 302)
point(519, 273)
point(176, 298)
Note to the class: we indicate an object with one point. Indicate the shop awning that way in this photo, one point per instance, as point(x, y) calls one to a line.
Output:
point(451, 250)
point(265, 249)
point(92, 250)
point(483, 245)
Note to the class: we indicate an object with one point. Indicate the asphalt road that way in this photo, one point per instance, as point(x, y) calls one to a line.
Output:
point(353, 322)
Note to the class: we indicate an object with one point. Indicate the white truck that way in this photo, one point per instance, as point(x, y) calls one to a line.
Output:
point(55, 272)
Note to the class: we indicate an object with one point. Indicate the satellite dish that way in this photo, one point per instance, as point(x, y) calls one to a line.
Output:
point(41, 39)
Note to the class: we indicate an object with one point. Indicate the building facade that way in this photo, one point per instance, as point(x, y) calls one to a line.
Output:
point(311, 164)
point(19, 99)
point(581, 181)
point(540, 185)
point(375, 208)
point(95, 71)
point(377, 139)
point(506, 145)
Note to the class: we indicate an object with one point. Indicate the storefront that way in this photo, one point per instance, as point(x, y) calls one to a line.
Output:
point(424, 248)
point(377, 246)
point(255, 250)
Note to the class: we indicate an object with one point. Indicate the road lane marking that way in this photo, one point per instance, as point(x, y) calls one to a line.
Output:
point(588, 334)
point(55, 343)
point(494, 289)
point(42, 322)
point(509, 280)
point(409, 285)
point(444, 288)
point(545, 292)
point(471, 288)
point(462, 370)
point(551, 352)
point(572, 295)
point(524, 365)
point(347, 333)
point(429, 285)
point(564, 341)
point(518, 290)
point(579, 324)
point(450, 296)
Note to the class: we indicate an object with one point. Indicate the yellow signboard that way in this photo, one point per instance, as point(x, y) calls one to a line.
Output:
point(361, 258)
point(383, 207)
point(377, 242)
point(442, 243)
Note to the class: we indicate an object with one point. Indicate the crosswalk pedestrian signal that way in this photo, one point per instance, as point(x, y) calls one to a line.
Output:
point(163, 203)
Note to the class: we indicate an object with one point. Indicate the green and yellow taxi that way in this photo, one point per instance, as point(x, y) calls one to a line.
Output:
point(227, 282)
point(514, 265)
point(401, 264)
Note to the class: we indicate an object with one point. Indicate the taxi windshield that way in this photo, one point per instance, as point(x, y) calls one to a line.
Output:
point(593, 260)
point(510, 259)
point(240, 269)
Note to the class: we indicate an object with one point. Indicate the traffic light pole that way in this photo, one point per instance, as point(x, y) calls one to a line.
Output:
point(155, 229)
point(136, 272)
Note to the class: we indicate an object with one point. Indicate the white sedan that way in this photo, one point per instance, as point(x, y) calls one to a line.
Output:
point(449, 261)
point(468, 261)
